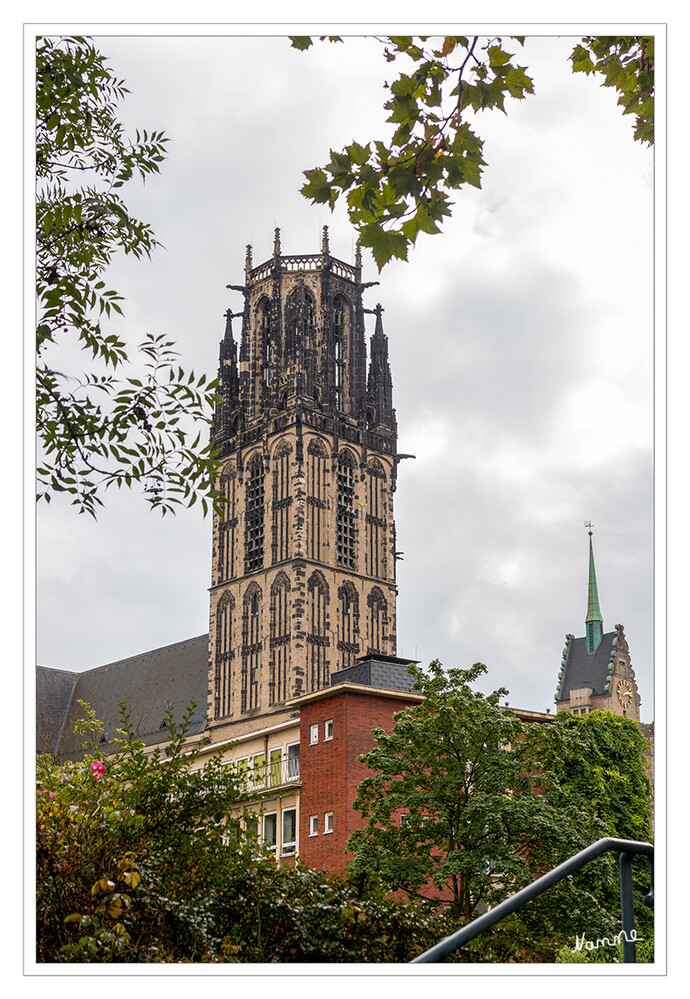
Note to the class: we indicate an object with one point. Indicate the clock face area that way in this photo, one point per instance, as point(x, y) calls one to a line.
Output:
point(624, 692)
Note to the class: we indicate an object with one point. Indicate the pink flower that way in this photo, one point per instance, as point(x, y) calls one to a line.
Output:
point(51, 795)
point(97, 769)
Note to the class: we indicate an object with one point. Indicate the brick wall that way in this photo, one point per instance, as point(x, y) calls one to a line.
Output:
point(331, 771)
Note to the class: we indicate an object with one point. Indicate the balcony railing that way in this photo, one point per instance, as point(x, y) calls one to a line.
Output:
point(271, 775)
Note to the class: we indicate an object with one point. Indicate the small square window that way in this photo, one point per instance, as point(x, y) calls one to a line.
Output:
point(313, 735)
point(328, 730)
point(328, 822)
point(313, 825)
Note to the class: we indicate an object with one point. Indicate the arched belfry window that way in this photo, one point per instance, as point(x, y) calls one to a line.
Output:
point(345, 512)
point(317, 484)
point(300, 313)
point(317, 633)
point(223, 655)
point(280, 638)
point(262, 342)
point(254, 514)
point(348, 624)
point(378, 619)
point(251, 648)
point(341, 350)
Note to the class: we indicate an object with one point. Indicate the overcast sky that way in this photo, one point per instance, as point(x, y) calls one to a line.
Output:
point(521, 346)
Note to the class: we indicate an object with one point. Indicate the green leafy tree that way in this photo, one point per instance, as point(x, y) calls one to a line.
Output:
point(455, 803)
point(143, 858)
point(465, 805)
point(131, 419)
point(124, 845)
point(400, 186)
point(605, 774)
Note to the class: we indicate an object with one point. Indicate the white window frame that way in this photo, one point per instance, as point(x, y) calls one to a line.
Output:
point(292, 771)
point(327, 822)
point(289, 848)
point(272, 847)
point(313, 825)
point(328, 730)
point(313, 735)
point(243, 778)
point(258, 773)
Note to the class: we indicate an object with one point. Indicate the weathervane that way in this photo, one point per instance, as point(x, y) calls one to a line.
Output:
point(588, 523)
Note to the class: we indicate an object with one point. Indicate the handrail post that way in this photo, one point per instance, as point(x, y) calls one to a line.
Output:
point(627, 908)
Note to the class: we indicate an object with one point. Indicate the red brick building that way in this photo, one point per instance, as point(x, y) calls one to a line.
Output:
point(335, 730)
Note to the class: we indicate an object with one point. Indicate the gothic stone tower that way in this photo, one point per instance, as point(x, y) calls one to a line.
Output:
point(303, 577)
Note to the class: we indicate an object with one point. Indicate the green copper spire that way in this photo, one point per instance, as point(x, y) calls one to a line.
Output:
point(594, 623)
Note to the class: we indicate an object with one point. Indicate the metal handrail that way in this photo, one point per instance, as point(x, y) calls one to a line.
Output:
point(626, 847)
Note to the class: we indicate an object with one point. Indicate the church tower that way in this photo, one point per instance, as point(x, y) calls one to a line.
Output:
point(303, 574)
point(596, 672)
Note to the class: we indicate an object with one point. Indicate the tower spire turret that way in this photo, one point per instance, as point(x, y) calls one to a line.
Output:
point(228, 381)
point(594, 623)
point(379, 384)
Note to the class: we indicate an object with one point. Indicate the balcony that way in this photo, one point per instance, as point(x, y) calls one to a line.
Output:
point(266, 776)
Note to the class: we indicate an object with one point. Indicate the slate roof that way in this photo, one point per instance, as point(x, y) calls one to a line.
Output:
point(584, 669)
point(54, 689)
point(377, 670)
point(176, 673)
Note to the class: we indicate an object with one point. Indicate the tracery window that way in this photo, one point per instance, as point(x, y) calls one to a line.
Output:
point(317, 636)
point(378, 618)
point(254, 515)
point(280, 638)
point(300, 311)
point(260, 357)
point(348, 624)
point(227, 527)
point(282, 501)
point(341, 350)
point(251, 648)
point(345, 512)
point(376, 518)
point(317, 472)
point(264, 339)
point(224, 655)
